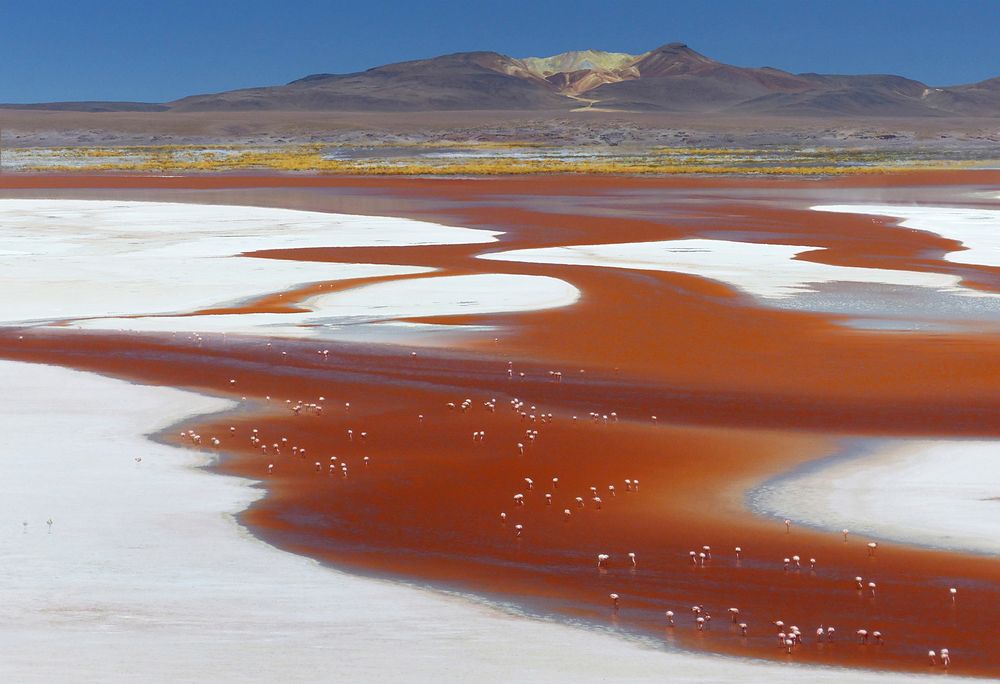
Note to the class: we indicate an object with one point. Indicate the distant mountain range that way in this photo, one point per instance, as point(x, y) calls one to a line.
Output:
point(671, 78)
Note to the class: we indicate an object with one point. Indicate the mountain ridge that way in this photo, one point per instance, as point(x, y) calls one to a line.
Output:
point(670, 78)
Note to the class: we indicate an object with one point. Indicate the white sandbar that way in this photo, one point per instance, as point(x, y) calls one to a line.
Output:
point(939, 493)
point(146, 266)
point(146, 577)
point(762, 270)
point(73, 259)
point(977, 229)
point(374, 304)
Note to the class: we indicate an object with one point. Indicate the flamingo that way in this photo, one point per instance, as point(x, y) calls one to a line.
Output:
point(830, 631)
point(743, 628)
point(734, 613)
point(932, 657)
point(614, 599)
point(602, 560)
point(518, 529)
point(701, 623)
point(954, 592)
point(862, 636)
point(739, 553)
point(945, 657)
point(872, 546)
point(567, 513)
point(49, 523)
point(788, 525)
point(670, 618)
point(877, 636)
point(631, 557)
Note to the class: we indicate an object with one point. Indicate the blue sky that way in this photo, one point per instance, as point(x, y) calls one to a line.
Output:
point(160, 50)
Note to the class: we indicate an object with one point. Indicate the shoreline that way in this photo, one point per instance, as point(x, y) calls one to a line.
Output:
point(307, 605)
point(839, 561)
point(865, 487)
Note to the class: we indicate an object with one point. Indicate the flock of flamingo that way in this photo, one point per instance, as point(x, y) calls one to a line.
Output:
point(789, 637)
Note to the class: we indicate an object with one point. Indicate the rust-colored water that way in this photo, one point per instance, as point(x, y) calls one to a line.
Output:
point(740, 392)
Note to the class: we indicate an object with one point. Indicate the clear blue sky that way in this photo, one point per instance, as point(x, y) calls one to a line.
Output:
point(158, 50)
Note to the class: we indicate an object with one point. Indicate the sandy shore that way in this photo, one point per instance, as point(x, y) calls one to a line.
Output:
point(765, 271)
point(169, 267)
point(976, 230)
point(944, 493)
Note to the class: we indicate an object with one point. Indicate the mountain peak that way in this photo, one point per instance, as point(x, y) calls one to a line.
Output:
point(670, 59)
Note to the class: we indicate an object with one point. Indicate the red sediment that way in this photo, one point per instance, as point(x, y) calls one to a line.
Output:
point(715, 368)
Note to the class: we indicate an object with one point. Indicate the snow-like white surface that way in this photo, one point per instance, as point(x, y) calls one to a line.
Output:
point(376, 303)
point(146, 577)
point(145, 265)
point(941, 493)
point(977, 229)
point(70, 259)
point(763, 270)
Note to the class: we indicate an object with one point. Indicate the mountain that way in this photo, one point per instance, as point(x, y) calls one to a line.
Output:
point(676, 78)
point(468, 80)
point(967, 99)
point(671, 78)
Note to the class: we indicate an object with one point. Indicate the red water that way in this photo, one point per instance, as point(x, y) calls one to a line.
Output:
point(741, 393)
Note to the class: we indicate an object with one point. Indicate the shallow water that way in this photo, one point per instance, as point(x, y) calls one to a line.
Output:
point(741, 392)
